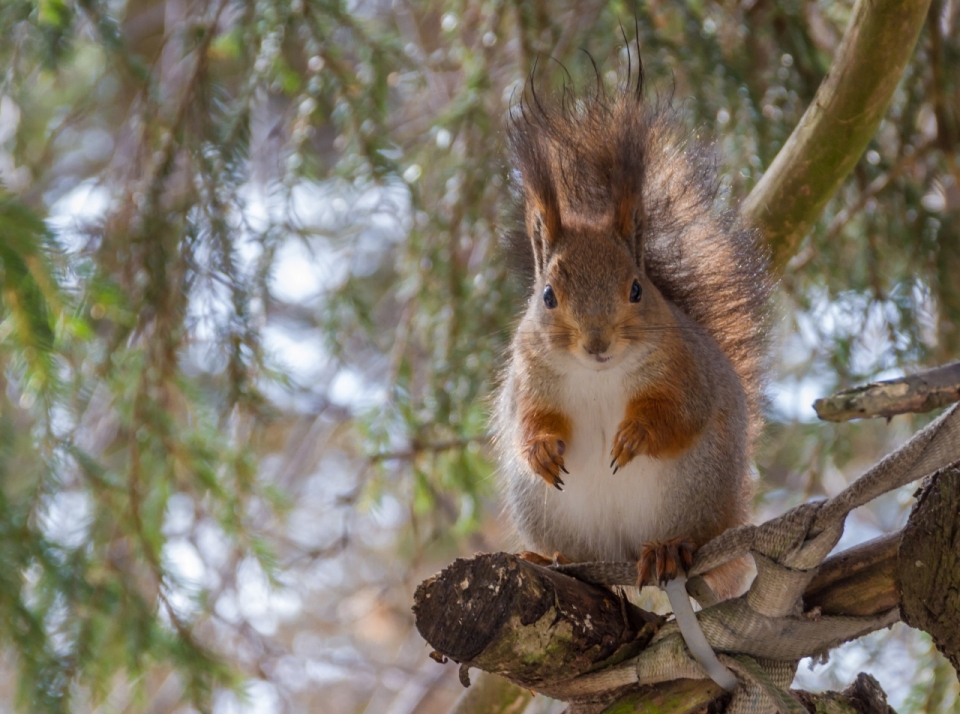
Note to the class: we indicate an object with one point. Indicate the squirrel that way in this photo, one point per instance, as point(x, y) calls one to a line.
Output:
point(632, 397)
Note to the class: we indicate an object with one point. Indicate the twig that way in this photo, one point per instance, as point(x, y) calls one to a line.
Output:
point(417, 448)
point(915, 394)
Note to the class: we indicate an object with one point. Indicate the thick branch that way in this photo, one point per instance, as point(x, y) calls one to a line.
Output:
point(929, 567)
point(537, 627)
point(917, 393)
point(681, 696)
point(860, 581)
point(838, 125)
point(686, 696)
point(530, 624)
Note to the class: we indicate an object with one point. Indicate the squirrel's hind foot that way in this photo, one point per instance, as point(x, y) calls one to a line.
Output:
point(664, 560)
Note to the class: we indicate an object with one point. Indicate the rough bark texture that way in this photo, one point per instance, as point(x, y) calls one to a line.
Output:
point(838, 124)
point(530, 624)
point(929, 563)
point(535, 626)
point(917, 393)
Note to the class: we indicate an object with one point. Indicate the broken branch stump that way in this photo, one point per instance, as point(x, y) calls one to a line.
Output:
point(530, 624)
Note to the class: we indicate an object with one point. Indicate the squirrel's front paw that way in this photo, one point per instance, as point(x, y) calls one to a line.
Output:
point(545, 458)
point(629, 442)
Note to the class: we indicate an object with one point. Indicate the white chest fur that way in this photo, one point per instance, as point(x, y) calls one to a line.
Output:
point(601, 514)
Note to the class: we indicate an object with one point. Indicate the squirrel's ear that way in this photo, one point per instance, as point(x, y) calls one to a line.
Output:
point(628, 223)
point(543, 228)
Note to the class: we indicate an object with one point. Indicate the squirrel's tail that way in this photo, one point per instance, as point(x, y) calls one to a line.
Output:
point(705, 260)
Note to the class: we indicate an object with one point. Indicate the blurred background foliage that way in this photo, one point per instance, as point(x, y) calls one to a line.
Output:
point(253, 308)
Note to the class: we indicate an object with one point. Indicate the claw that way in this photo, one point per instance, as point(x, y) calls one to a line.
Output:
point(544, 457)
point(628, 443)
point(534, 557)
point(664, 560)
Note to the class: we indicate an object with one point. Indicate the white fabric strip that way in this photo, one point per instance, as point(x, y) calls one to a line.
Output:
point(676, 590)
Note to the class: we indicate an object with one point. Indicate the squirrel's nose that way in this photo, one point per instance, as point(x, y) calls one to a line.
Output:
point(596, 343)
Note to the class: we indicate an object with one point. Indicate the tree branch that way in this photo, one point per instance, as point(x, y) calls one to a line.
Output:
point(501, 614)
point(542, 629)
point(859, 581)
point(917, 393)
point(839, 123)
point(928, 570)
point(537, 627)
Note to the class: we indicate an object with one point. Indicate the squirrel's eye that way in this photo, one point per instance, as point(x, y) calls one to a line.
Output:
point(635, 291)
point(549, 299)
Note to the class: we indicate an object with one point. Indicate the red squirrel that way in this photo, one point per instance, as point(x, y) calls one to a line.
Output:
point(632, 397)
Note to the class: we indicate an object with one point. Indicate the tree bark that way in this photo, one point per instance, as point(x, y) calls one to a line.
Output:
point(859, 581)
point(684, 696)
point(838, 124)
point(928, 569)
point(864, 696)
point(526, 622)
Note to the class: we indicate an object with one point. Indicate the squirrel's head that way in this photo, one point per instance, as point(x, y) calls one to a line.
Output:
point(581, 170)
point(592, 298)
